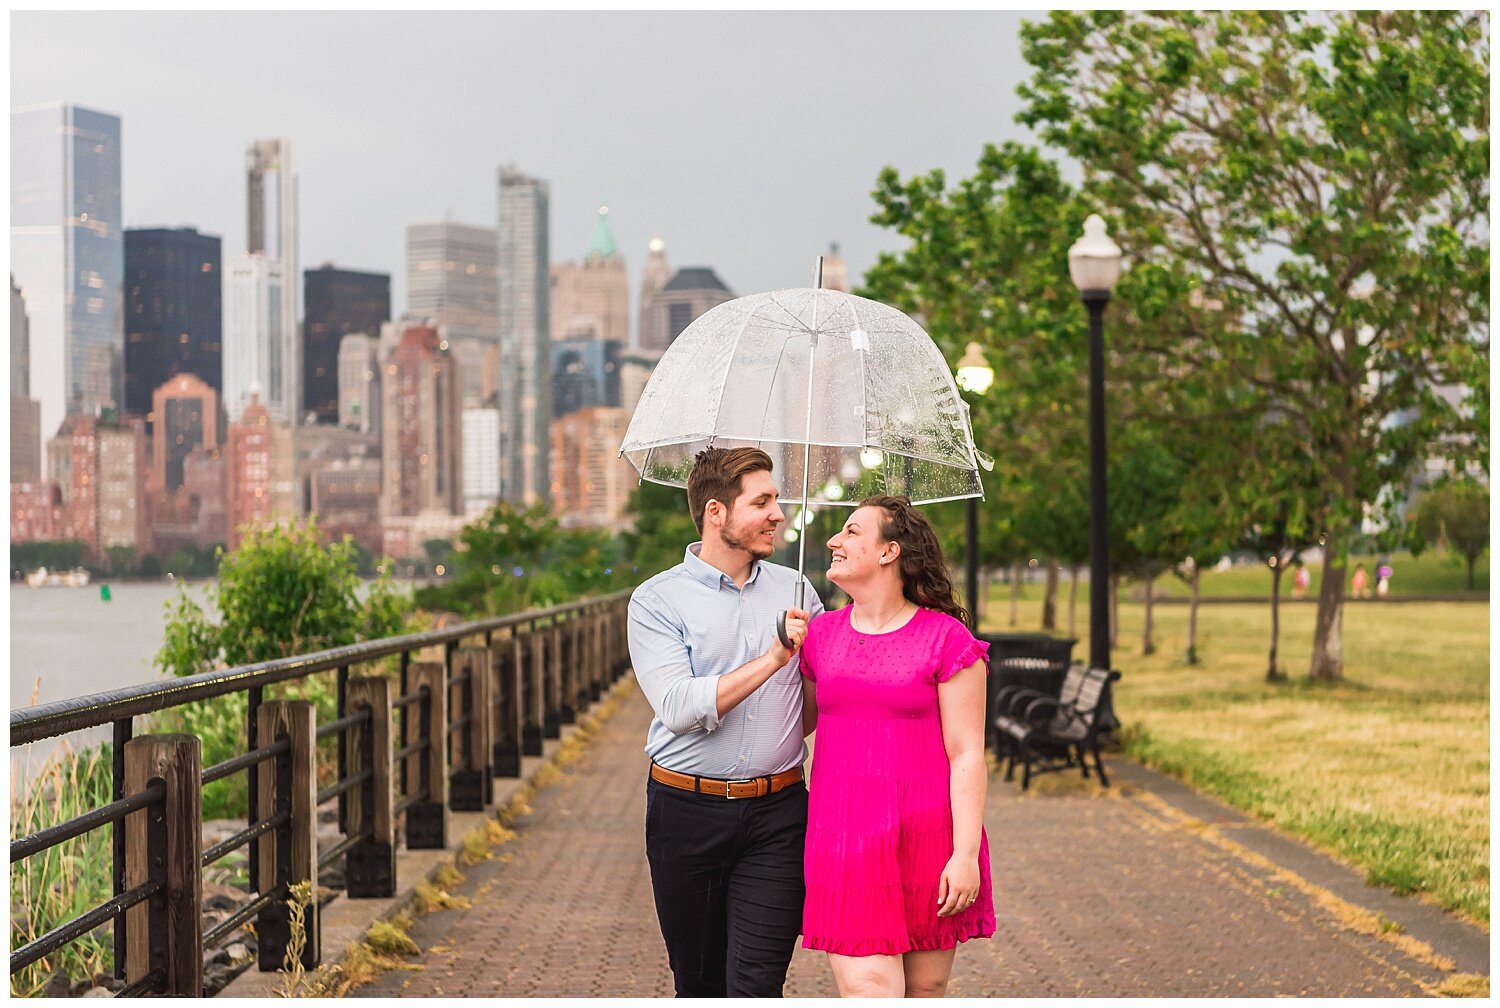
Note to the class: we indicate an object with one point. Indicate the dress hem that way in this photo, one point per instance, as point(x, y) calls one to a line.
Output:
point(869, 948)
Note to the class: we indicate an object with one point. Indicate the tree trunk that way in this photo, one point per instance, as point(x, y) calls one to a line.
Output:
point(1049, 601)
point(1148, 646)
point(1073, 603)
point(1471, 571)
point(1192, 641)
point(1114, 610)
point(1273, 671)
point(1328, 634)
point(1015, 591)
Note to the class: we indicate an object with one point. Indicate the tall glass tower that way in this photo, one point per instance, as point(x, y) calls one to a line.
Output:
point(67, 252)
point(525, 341)
point(271, 232)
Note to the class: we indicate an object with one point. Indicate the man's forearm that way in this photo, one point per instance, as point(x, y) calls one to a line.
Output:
point(734, 687)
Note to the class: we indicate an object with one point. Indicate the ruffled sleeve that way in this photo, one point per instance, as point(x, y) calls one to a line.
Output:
point(805, 665)
point(960, 650)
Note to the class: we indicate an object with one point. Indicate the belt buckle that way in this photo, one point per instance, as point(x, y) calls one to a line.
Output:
point(728, 788)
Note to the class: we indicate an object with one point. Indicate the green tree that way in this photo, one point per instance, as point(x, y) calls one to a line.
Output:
point(61, 554)
point(662, 530)
point(279, 594)
point(498, 562)
point(1328, 175)
point(1456, 512)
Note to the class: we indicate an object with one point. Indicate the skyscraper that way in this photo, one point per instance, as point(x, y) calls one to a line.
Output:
point(25, 412)
point(261, 484)
point(692, 291)
point(68, 255)
point(654, 276)
point(174, 311)
point(186, 411)
point(339, 302)
point(591, 299)
point(255, 348)
point(585, 372)
point(271, 219)
point(359, 383)
point(421, 463)
point(525, 340)
point(452, 282)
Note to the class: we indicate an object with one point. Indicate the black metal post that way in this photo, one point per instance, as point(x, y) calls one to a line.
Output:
point(971, 574)
point(1095, 300)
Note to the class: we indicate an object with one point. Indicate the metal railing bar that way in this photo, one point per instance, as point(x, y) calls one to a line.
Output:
point(411, 750)
point(460, 724)
point(31, 724)
point(408, 802)
point(60, 936)
point(409, 699)
point(145, 985)
point(347, 721)
point(256, 756)
point(221, 930)
point(345, 846)
point(91, 820)
point(334, 790)
point(243, 837)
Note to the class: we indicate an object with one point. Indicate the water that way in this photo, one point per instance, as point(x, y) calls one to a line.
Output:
point(66, 642)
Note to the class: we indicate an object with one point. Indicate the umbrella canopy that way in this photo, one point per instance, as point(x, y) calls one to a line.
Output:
point(848, 396)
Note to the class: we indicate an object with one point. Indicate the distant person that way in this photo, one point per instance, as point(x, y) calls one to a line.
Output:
point(1361, 582)
point(1300, 580)
point(1383, 579)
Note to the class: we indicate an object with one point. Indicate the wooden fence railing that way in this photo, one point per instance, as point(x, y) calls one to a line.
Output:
point(409, 752)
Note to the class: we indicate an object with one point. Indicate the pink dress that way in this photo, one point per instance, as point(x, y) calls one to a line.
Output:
point(879, 820)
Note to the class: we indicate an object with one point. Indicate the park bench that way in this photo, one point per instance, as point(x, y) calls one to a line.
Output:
point(1011, 702)
point(1047, 731)
point(1032, 661)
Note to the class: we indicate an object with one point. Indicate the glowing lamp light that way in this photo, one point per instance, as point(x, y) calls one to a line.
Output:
point(871, 458)
point(974, 372)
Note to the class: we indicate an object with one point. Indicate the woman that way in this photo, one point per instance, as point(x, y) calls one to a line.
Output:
point(897, 862)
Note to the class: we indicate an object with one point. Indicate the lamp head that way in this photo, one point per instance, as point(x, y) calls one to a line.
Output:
point(1094, 259)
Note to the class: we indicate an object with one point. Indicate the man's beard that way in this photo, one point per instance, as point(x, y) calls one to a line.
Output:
point(752, 543)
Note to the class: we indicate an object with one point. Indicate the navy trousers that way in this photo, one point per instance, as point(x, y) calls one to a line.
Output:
point(727, 876)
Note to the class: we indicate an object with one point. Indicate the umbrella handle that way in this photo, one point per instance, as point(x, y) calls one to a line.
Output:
point(786, 641)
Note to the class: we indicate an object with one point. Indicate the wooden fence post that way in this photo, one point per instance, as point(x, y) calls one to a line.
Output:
point(289, 855)
point(427, 820)
point(532, 698)
point(506, 730)
point(163, 843)
point(370, 866)
point(563, 671)
point(546, 643)
point(469, 780)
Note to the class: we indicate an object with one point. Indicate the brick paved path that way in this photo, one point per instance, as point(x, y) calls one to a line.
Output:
point(1097, 895)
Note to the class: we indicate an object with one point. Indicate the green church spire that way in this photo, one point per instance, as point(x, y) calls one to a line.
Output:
point(602, 245)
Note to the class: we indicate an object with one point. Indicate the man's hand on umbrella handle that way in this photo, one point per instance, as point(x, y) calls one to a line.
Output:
point(791, 631)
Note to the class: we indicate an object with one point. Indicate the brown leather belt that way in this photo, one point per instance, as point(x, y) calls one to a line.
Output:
point(755, 787)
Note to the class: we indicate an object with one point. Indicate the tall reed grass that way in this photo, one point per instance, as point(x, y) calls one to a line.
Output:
point(56, 885)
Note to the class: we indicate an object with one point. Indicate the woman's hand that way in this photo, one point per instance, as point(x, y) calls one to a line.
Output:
point(959, 886)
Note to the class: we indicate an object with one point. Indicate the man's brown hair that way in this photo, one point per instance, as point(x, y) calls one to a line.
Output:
point(716, 476)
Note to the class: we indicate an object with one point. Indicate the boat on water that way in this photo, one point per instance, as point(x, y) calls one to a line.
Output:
point(43, 578)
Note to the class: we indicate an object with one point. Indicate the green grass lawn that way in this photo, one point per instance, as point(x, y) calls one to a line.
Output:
point(1435, 572)
point(1388, 769)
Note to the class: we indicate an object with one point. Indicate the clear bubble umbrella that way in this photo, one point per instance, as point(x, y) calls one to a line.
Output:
point(848, 396)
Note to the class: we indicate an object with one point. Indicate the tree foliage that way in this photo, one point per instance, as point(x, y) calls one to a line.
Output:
point(1325, 177)
point(279, 594)
point(1456, 513)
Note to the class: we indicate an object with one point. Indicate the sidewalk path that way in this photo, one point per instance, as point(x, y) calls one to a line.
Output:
point(1102, 894)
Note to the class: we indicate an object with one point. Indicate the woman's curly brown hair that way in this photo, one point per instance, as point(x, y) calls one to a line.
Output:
point(924, 574)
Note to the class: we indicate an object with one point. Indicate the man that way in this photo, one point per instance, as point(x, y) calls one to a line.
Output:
point(726, 807)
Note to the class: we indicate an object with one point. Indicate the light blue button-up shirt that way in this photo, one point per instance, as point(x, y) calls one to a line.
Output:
point(688, 626)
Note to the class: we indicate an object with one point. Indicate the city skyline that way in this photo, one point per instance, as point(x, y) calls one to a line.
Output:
point(658, 116)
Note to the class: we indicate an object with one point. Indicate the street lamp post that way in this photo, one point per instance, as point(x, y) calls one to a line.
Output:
point(974, 376)
point(1094, 264)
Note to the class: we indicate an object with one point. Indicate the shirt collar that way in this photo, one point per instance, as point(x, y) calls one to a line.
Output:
point(710, 575)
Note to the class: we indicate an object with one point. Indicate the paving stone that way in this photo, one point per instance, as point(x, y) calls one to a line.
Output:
point(1098, 894)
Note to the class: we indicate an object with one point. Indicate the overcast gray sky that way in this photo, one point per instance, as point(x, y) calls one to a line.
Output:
point(749, 140)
